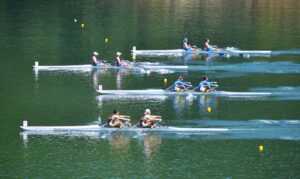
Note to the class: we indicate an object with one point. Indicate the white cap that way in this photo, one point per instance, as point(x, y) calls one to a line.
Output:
point(147, 111)
point(118, 53)
point(96, 53)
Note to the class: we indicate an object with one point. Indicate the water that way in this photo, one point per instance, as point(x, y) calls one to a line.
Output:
point(46, 32)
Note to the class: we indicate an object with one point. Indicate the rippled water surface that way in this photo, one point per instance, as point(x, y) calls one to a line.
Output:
point(47, 32)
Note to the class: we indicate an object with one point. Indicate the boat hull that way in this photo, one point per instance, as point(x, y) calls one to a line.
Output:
point(164, 92)
point(84, 67)
point(97, 128)
point(220, 52)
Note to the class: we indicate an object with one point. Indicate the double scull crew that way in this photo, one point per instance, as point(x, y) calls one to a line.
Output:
point(146, 121)
point(119, 62)
point(204, 86)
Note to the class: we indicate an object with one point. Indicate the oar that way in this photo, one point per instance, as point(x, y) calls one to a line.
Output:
point(161, 123)
point(128, 65)
point(194, 47)
point(135, 125)
point(99, 121)
point(169, 88)
point(194, 89)
point(186, 89)
point(139, 66)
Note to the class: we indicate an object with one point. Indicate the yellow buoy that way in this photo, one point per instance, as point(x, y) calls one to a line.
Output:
point(165, 80)
point(209, 109)
point(106, 40)
point(82, 25)
point(260, 148)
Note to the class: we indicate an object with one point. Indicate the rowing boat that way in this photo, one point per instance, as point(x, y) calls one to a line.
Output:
point(131, 65)
point(102, 128)
point(170, 92)
point(221, 52)
point(36, 66)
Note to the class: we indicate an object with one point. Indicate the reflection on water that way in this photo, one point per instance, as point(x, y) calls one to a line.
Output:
point(182, 104)
point(151, 145)
point(96, 73)
point(206, 101)
point(119, 144)
point(120, 73)
point(186, 58)
point(129, 99)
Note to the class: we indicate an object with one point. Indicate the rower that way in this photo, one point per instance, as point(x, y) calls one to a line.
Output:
point(206, 86)
point(95, 61)
point(180, 85)
point(186, 46)
point(207, 46)
point(119, 61)
point(148, 120)
point(115, 120)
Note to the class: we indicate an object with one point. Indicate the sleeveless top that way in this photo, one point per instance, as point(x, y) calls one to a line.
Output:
point(111, 118)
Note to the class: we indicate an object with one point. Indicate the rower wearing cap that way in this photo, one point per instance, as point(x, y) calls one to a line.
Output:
point(186, 46)
point(119, 61)
point(148, 120)
point(206, 86)
point(115, 120)
point(95, 61)
point(180, 85)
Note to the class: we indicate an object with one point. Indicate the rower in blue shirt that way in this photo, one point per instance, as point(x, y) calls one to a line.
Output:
point(180, 85)
point(206, 86)
point(186, 46)
point(207, 46)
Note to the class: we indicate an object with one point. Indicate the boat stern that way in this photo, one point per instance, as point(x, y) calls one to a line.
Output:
point(25, 125)
point(36, 65)
point(133, 49)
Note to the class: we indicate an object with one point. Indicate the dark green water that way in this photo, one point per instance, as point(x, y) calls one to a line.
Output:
point(46, 32)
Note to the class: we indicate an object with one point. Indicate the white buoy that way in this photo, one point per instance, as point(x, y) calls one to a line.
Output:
point(25, 123)
point(100, 88)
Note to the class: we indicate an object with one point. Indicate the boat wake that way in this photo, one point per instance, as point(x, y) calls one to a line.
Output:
point(252, 129)
point(280, 67)
point(281, 92)
point(286, 52)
